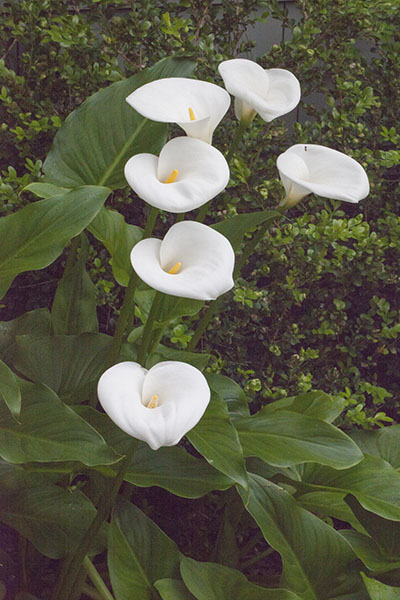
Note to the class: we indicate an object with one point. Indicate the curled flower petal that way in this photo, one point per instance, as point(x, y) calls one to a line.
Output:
point(158, 406)
point(204, 257)
point(178, 100)
point(201, 172)
point(306, 169)
point(269, 92)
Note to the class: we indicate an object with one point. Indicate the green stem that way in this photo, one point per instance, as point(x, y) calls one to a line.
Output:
point(90, 592)
point(236, 139)
point(148, 328)
point(67, 583)
point(96, 579)
point(128, 304)
point(180, 217)
point(201, 215)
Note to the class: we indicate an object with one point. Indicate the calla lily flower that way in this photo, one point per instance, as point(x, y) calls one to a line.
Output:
point(269, 92)
point(192, 261)
point(306, 169)
point(196, 106)
point(158, 406)
point(187, 174)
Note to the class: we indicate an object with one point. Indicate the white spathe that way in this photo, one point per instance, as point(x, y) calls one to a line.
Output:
point(202, 174)
point(178, 392)
point(169, 100)
point(206, 260)
point(309, 168)
point(269, 92)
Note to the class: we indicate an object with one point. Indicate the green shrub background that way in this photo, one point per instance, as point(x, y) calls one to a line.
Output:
point(319, 306)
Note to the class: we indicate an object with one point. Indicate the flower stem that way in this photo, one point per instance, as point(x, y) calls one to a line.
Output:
point(129, 298)
point(236, 139)
point(96, 579)
point(66, 585)
point(148, 328)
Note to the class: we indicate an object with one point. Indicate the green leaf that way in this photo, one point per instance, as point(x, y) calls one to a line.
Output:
point(196, 359)
point(45, 190)
point(316, 558)
point(216, 439)
point(173, 589)
point(384, 531)
point(48, 430)
point(53, 519)
point(35, 322)
point(369, 552)
point(65, 363)
point(176, 471)
point(97, 139)
point(384, 443)
point(314, 404)
point(380, 591)
point(236, 227)
point(374, 483)
point(231, 392)
point(329, 504)
point(139, 554)
point(171, 307)
point(212, 581)
point(110, 228)
point(9, 390)
point(35, 236)
point(170, 468)
point(74, 304)
point(287, 438)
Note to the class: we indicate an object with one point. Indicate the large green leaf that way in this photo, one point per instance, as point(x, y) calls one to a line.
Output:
point(287, 438)
point(171, 468)
point(63, 362)
point(48, 430)
point(9, 389)
point(110, 228)
point(374, 483)
point(161, 352)
point(74, 305)
point(316, 558)
point(380, 591)
point(173, 589)
point(175, 470)
point(33, 237)
point(230, 392)
point(212, 581)
point(139, 554)
point(369, 552)
point(315, 404)
point(35, 322)
point(52, 518)
point(98, 138)
point(384, 531)
point(216, 439)
point(384, 443)
point(235, 228)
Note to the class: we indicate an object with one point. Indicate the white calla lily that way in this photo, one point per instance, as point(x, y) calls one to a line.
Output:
point(306, 169)
point(158, 406)
point(269, 92)
point(192, 261)
point(187, 174)
point(196, 106)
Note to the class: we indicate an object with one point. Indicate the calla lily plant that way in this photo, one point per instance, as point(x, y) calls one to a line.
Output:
point(269, 92)
point(192, 261)
point(158, 406)
point(309, 168)
point(196, 106)
point(187, 174)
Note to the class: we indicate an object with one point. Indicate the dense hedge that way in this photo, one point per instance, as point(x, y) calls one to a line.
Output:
point(319, 306)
